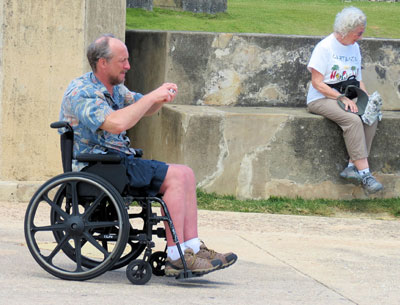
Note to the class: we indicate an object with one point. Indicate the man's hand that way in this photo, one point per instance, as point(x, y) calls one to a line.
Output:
point(165, 93)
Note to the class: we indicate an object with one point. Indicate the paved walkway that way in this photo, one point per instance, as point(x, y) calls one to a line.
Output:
point(282, 260)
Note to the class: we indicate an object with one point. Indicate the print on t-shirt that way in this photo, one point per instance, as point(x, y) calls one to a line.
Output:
point(342, 73)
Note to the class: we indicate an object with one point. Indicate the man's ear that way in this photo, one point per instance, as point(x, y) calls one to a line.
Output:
point(101, 63)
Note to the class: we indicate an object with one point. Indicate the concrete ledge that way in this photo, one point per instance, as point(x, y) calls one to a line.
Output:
point(18, 191)
point(258, 152)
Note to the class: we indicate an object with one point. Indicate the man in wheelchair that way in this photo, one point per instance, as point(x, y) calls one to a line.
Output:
point(100, 109)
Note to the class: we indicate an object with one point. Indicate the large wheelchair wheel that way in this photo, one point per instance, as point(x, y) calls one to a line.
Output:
point(65, 224)
point(107, 236)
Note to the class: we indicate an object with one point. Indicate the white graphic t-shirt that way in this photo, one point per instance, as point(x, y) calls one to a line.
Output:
point(335, 61)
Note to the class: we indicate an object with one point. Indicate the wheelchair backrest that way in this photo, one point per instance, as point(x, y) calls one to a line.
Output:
point(67, 144)
point(108, 167)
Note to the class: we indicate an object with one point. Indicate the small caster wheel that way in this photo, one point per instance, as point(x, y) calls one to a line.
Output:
point(138, 272)
point(157, 262)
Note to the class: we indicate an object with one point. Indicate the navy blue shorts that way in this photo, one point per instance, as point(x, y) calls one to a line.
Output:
point(144, 174)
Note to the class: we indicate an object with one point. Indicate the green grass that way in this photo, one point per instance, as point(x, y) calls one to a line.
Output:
point(378, 208)
point(298, 17)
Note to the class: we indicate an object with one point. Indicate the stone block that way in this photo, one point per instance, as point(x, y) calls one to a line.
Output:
point(258, 152)
point(195, 6)
point(168, 4)
point(204, 6)
point(226, 69)
point(145, 4)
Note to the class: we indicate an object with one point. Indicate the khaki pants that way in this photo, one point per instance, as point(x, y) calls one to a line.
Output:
point(357, 135)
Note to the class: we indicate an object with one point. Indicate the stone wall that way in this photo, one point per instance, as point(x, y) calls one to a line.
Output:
point(195, 6)
point(145, 4)
point(42, 48)
point(204, 6)
point(224, 69)
point(240, 120)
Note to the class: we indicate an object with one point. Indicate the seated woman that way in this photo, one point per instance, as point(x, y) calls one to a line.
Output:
point(335, 59)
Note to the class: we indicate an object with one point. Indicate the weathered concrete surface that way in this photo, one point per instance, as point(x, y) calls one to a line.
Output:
point(283, 260)
point(42, 48)
point(211, 69)
point(205, 6)
point(196, 6)
point(145, 4)
point(170, 4)
point(257, 152)
point(15, 191)
point(382, 69)
point(228, 69)
point(269, 145)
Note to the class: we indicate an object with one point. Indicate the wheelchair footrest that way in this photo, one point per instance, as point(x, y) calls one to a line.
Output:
point(186, 275)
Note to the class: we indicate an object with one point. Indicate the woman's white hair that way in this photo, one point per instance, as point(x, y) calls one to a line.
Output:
point(349, 19)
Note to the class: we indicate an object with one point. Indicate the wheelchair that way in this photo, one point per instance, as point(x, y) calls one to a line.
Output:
point(78, 225)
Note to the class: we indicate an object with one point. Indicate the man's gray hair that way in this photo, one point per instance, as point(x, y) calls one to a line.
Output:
point(349, 19)
point(99, 48)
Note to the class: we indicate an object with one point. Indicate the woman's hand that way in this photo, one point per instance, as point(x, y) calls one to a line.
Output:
point(318, 83)
point(349, 104)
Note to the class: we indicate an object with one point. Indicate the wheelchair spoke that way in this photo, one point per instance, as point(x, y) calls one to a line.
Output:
point(56, 207)
point(96, 244)
point(93, 206)
point(55, 227)
point(57, 249)
point(105, 245)
point(75, 202)
point(78, 254)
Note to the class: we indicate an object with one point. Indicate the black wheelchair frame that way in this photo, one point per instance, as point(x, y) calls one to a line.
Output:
point(91, 229)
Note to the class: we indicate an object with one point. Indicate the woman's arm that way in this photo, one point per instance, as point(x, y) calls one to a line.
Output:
point(317, 80)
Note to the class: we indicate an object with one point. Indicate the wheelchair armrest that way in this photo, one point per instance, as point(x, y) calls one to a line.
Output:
point(61, 124)
point(99, 158)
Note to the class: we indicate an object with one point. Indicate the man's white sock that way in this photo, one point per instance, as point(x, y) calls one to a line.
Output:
point(193, 244)
point(173, 253)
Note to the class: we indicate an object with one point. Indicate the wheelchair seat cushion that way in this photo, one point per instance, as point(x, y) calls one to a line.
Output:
point(144, 174)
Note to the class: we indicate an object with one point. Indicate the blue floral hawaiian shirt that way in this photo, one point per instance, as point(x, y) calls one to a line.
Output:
point(85, 105)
